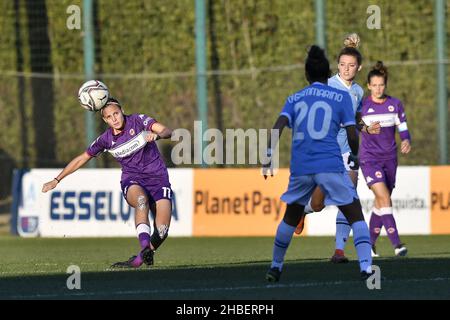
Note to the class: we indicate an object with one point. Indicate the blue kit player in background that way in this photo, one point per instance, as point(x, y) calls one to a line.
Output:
point(349, 64)
point(130, 139)
point(379, 154)
point(315, 115)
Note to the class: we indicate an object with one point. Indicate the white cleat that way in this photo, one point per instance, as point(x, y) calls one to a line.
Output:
point(401, 251)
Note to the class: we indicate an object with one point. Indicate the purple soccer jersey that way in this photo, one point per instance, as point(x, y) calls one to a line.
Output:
point(390, 114)
point(141, 161)
point(378, 152)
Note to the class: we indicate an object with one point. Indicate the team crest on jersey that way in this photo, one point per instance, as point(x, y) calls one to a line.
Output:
point(132, 132)
point(391, 108)
point(378, 174)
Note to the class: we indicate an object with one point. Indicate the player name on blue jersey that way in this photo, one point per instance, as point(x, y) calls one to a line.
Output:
point(321, 93)
point(315, 115)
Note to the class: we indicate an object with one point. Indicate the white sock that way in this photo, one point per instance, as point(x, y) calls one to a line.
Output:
point(308, 208)
point(343, 229)
point(143, 228)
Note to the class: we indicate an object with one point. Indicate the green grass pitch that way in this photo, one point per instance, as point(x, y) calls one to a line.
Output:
point(218, 268)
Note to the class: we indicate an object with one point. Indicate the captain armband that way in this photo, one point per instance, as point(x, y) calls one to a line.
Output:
point(404, 132)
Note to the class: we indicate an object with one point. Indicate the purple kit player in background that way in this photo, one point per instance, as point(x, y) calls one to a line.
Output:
point(378, 154)
point(130, 139)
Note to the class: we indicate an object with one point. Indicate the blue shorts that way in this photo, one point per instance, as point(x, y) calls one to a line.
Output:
point(337, 187)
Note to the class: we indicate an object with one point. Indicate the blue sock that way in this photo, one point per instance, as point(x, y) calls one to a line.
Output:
point(342, 231)
point(361, 238)
point(282, 240)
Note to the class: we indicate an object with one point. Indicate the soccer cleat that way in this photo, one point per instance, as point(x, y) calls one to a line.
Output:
point(133, 262)
point(339, 257)
point(273, 275)
point(147, 256)
point(301, 225)
point(400, 250)
point(365, 275)
point(374, 252)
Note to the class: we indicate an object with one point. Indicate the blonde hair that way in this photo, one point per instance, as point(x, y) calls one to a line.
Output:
point(352, 40)
point(351, 43)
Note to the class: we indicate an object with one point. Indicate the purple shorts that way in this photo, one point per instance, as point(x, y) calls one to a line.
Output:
point(157, 188)
point(375, 171)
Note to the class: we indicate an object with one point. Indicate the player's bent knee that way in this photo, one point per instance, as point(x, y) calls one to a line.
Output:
point(353, 212)
point(293, 214)
point(317, 207)
point(160, 234)
point(142, 203)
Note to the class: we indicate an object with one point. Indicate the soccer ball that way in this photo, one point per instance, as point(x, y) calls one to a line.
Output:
point(93, 95)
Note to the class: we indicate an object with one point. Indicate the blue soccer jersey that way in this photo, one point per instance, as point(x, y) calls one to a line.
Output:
point(356, 94)
point(315, 115)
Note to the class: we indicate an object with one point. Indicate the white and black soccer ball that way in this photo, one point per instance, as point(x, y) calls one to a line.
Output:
point(93, 95)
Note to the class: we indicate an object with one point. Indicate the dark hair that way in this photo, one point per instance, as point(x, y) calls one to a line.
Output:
point(317, 66)
point(111, 101)
point(378, 70)
point(351, 43)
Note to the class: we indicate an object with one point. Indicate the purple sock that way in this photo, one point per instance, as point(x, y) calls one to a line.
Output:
point(143, 231)
point(144, 240)
point(375, 225)
point(391, 229)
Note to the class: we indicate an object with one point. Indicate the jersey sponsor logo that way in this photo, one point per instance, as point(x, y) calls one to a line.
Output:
point(391, 108)
point(130, 147)
point(378, 174)
point(385, 119)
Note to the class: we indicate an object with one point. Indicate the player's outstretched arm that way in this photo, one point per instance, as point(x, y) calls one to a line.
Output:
point(353, 140)
point(73, 166)
point(279, 125)
point(159, 131)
